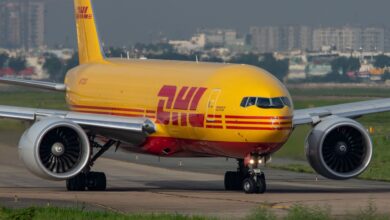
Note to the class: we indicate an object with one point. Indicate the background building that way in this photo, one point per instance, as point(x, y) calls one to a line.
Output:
point(305, 38)
point(22, 23)
point(281, 38)
point(341, 39)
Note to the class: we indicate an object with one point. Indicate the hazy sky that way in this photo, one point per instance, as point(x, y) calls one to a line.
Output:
point(123, 22)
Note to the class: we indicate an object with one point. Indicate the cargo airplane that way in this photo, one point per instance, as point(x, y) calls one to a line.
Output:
point(186, 109)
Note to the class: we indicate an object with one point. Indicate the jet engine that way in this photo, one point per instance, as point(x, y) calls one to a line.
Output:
point(339, 148)
point(55, 149)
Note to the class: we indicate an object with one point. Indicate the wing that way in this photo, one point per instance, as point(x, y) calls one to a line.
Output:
point(34, 84)
point(132, 129)
point(348, 110)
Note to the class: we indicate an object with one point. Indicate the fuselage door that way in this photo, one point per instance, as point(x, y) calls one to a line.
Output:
point(212, 104)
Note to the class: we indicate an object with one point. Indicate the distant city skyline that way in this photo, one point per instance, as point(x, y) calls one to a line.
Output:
point(124, 22)
point(22, 24)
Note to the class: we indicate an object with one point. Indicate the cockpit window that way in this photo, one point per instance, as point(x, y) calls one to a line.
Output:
point(261, 102)
point(251, 101)
point(286, 101)
point(277, 103)
point(244, 101)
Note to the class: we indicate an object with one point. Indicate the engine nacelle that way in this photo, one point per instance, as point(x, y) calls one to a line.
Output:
point(339, 148)
point(55, 149)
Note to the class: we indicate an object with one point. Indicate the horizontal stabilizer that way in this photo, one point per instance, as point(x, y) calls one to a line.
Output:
point(34, 84)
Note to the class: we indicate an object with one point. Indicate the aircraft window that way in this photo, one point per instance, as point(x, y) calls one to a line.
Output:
point(263, 103)
point(244, 102)
point(251, 101)
point(277, 103)
point(286, 101)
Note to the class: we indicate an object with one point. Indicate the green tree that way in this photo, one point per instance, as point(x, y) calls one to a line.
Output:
point(159, 47)
point(382, 61)
point(115, 52)
point(386, 76)
point(250, 59)
point(278, 68)
point(58, 68)
point(72, 62)
point(3, 59)
point(54, 67)
point(171, 56)
point(343, 65)
point(17, 63)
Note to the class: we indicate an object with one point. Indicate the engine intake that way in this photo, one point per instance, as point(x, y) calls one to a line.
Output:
point(55, 149)
point(339, 148)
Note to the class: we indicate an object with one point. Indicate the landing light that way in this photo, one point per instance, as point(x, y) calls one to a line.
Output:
point(252, 161)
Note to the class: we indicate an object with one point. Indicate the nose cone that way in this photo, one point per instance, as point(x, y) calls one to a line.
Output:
point(265, 126)
point(241, 81)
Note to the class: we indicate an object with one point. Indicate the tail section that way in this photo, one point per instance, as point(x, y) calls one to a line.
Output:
point(87, 36)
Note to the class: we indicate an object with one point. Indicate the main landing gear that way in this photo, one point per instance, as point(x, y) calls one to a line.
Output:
point(248, 176)
point(88, 180)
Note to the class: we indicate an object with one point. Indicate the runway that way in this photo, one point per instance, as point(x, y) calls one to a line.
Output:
point(139, 183)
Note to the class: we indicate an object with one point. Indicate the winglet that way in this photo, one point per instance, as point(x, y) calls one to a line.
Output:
point(87, 36)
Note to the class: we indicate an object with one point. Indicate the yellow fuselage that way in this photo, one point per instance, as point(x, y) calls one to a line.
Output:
point(196, 107)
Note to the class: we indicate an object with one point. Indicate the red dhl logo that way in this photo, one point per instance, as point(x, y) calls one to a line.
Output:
point(82, 13)
point(186, 98)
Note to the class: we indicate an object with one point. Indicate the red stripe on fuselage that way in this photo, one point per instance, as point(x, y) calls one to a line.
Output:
point(110, 113)
point(257, 117)
point(214, 116)
point(110, 108)
point(257, 123)
point(214, 126)
point(258, 128)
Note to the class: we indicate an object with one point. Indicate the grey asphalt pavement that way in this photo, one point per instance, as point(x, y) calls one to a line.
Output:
point(140, 183)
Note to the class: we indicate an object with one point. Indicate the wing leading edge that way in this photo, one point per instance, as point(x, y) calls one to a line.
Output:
point(34, 84)
point(348, 110)
point(124, 126)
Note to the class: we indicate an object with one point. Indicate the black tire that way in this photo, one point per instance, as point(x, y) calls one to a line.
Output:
point(261, 185)
point(96, 181)
point(233, 181)
point(249, 185)
point(77, 183)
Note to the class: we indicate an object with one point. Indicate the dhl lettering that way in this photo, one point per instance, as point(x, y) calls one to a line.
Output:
point(198, 96)
point(186, 98)
point(82, 9)
point(183, 101)
point(82, 13)
point(183, 119)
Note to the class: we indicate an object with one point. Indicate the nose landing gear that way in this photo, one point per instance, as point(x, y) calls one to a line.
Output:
point(255, 183)
point(248, 176)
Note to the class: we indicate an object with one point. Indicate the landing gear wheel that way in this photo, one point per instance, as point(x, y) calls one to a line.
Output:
point(233, 181)
point(93, 181)
point(249, 185)
point(261, 185)
point(255, 184)
point(96, 181)
point(77, 183)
